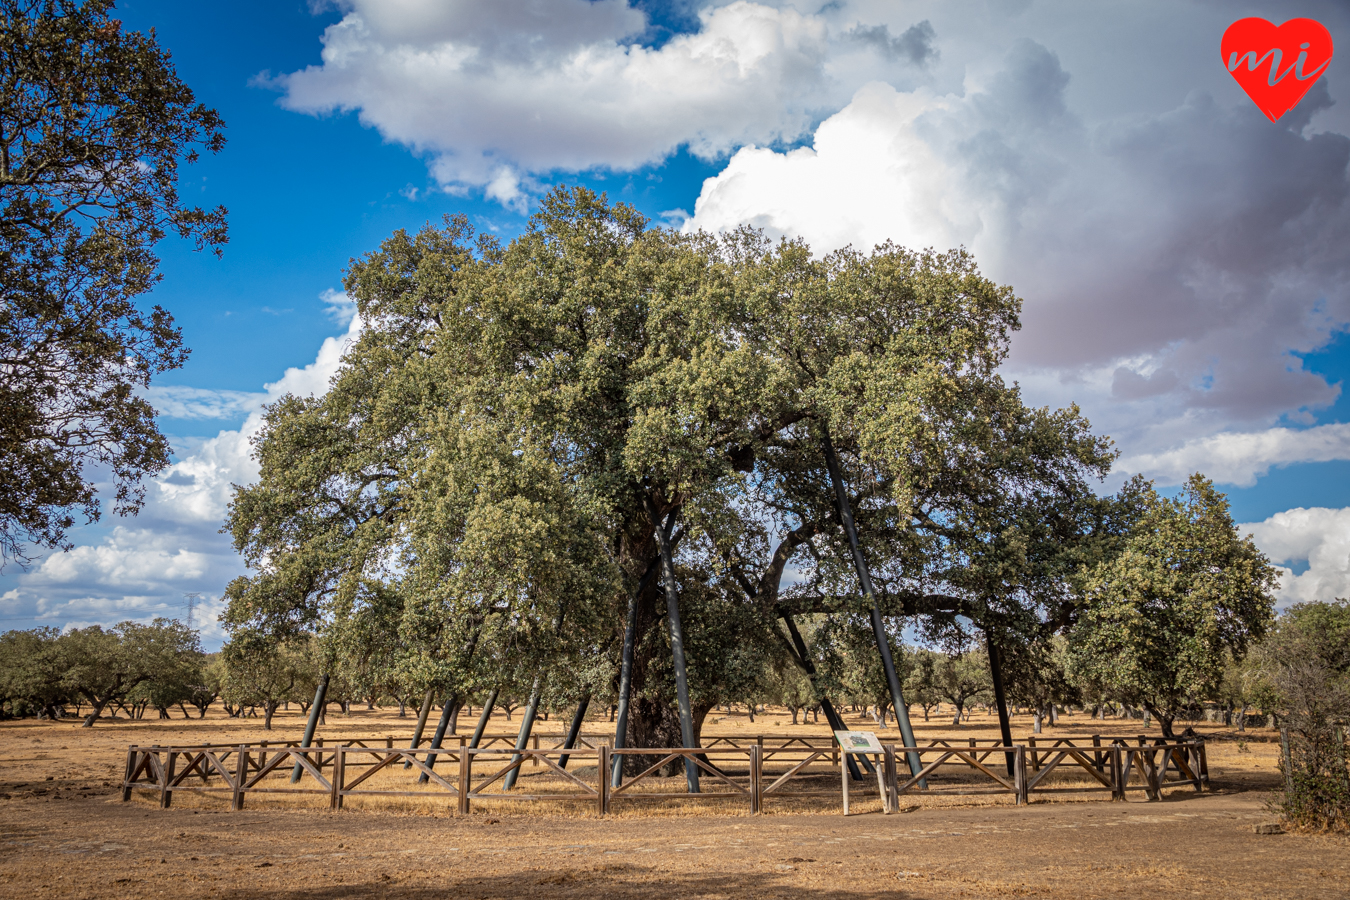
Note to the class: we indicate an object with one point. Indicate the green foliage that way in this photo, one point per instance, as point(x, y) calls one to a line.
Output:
point(257, 672)
point(850, 663)
point(94, 123)
point(32, 669)
point(1036, 674)
point(471, 495)
point(1165, 614)
point(921, 685)
point(962, 679)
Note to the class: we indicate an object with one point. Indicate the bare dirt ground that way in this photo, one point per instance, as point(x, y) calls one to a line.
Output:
point(71, 836)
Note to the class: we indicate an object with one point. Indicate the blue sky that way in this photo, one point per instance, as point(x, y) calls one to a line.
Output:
point(1182, 259)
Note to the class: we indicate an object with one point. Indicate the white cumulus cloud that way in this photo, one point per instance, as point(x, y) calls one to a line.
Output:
point(1318, 537)
point(183, 402)
point(1241, 458)
point(495, 92)
point(1173, 265)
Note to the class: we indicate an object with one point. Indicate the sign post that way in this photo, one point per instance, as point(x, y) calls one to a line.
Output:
point(860, 743)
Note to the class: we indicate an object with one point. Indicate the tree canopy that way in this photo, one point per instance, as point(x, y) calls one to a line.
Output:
point(482, 475)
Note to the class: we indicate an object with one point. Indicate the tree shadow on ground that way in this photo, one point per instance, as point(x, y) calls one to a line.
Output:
point(611, 881)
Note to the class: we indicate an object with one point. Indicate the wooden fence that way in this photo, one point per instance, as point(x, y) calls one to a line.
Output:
point(754, 772)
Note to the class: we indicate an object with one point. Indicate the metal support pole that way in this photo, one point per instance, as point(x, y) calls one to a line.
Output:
point(1000, 698)
point(575, 728)
point(421, 723)
point(523, 740)
point(835, 721)
point(625, 687)
point(676, 645)
point(448, 710)
point(320, 698)
point(865, 581)
point(483, 718)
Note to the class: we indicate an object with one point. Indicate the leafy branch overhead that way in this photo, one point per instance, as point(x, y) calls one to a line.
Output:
point(94, 124)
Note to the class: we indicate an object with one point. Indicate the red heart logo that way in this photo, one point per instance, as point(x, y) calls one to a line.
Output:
point(1276, 66)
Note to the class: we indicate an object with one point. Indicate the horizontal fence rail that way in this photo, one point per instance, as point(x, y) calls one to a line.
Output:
point(752, 771)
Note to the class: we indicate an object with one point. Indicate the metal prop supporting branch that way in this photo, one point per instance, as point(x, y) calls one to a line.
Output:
point(676, 644)
point(1000, 697)
point(421, 723)
point(320, 698)
point(447, 712)
point(865, 581)
point(836, 722)
point(577, 718)
point(483, 718)
point(626, 666)
point(526, 726)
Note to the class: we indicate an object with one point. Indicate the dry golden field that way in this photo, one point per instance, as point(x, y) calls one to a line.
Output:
point(64, 831)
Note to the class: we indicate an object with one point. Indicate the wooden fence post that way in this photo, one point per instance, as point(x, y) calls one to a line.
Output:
point(465, 783)
point(165, 794)
point(339, 761)
point(1096, 752)
point(756, 760)
point(1020, 776)
point(1117, 773)
point(602, 775)
point(240, 776)
point(892, 777)
point(133, 758)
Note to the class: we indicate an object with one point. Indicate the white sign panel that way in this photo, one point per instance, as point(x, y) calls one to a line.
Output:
point(858, 741)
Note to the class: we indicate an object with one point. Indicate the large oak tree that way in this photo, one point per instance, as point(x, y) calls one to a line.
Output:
point(487, 474)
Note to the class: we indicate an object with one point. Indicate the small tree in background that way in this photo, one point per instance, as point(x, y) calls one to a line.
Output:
point(261, 673)
point(106, 665)
point(1308, 660)
point(1162, 617)
point(963, 679)
point(206, 690)
point(32, 670)
point(921, 687)
point(1036, 676)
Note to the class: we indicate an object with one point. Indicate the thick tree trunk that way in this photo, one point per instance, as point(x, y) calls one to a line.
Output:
point(95, 709)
